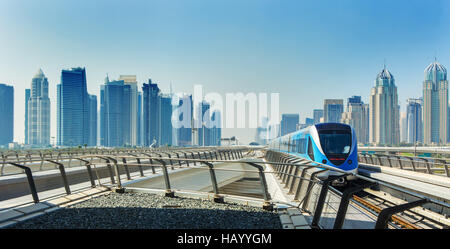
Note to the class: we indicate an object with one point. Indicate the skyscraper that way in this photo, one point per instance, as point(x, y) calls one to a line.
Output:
point(92, 120)
point(38, 126)
point(182, 134)
point(209, 134)
point(27, 97)
point(150, 108)
point(165, 118)
point(289, 123)
point(414, 120)
point(7, 111)
point(435, 104)
point(318, 114)
point(384, 110)
point(133, 119)
point(333, 109)
point(403, 127)
point(115, 111)
point(73, 108)
point(355, 116)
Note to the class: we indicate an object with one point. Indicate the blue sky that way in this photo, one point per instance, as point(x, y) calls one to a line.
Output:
point(305, 50)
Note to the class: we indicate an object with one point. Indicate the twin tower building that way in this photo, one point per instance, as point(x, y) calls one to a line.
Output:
point(430, 124)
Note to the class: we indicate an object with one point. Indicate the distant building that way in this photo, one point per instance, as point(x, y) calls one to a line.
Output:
point(92, 120)
point(165, 118)
point(133, 106)
point(182, 135)
point(38, 110)
point(289, 123)
point(115, 113)
point(7, 111)
point(318, 114)
point(403, 127)
point(27, 98)
point(435, 104)
point(356, 117)
point(150, 109)
point(209, 134)
point(414, 120)
point(73, 124)
point(139, 120)
point(333, 109)
point(384, 111)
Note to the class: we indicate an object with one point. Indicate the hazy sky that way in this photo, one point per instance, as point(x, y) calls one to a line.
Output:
point(305, 50)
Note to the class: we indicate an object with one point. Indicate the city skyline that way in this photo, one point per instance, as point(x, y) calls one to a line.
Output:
point(264, 46)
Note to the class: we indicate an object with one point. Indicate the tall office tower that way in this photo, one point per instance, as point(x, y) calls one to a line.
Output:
point(7, 114)
point(139, 120)
point(209, 134)
point(355, 116)
point(318, 114)
point(384, 110)
point(73, 108)
point(366, 110)
point(27, 97)
point(216, 135)
point(289, 123)
point(92, 120)
point(333, 109)
point(182, 133)
point(133, 119)
point(114, 112)
point(403, 127)
point(150, 109)
point(435, 104)
point(38, 126)
point(102, 126)
point(165, 118)
point(414, 120)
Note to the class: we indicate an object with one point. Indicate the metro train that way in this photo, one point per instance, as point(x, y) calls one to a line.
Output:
point(332, 144)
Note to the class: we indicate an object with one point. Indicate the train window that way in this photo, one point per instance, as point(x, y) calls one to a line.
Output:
point(335, 142)
point(310, 149)
point(302, 146)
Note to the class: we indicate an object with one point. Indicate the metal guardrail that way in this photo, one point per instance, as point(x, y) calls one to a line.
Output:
point(307, 173)
point(113, 163)
point(298, 175)
point(37, 160)
point(433, 166)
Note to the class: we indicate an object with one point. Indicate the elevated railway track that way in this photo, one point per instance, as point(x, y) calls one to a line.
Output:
point(324, 202)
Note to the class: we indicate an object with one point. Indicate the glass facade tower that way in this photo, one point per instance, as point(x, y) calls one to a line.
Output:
point(73, 108)
point(38, 125)
point(7, 111)
point(435, 104)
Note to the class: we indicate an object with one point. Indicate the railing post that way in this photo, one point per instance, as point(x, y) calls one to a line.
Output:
point(386, 213)
point(267, 205)
point(343, 205)
point(111, 174)
point(217, 198)
point(192, 154)
point(125, 166)
point(30, 181)
point(169, 192)
point(63, 175)
point(321, 202)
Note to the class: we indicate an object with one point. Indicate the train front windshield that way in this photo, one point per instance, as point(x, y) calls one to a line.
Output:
point(336, 144)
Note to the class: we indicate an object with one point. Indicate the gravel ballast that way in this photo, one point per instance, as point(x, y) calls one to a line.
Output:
point(150, 211)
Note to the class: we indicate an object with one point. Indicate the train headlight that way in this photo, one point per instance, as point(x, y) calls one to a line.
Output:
point(349, 161)
point(324, 161)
